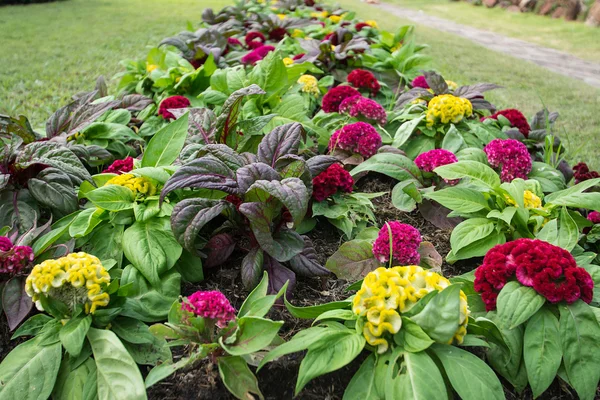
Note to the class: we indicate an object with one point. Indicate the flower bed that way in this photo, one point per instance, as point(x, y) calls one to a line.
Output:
point(283, 203)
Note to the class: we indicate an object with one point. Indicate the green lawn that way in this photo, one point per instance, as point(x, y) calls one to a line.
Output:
point(51, 51)
point(573, 37)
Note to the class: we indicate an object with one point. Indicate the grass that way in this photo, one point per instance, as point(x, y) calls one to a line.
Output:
point(52, 51)
point(569, 36)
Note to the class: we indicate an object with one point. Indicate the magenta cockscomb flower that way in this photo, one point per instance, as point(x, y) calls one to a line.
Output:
point(420, 82)
point(511, 155)
point(257, 54)
point(254, 40)
point(329, 182)
point(170, 103)
point(120, 166)
point(594, 217)
point(13, 258)
point(5, 243)
point(334, 97)
point(210, 304)
point(405, 243)
point(359, 137)
point(358, 106)
point(432, 159)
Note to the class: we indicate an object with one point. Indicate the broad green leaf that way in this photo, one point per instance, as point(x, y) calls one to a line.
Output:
point(472, 378)
point(405, 130)
point(441, 316)
point(453, 140)
point(253, 334)
point(32, 326)
point(84, 222)
point(72, 335)
point(420, 379)
point(459, 199)
point(517, 303)
point(112, 198)
point(238, 378)
point(362, 385)
point(166, 144)
point(70, 384)
point(541, 350)
point(470, 231)
point(118, 375)
point(164, 370)
point(576, 197)
point(568, 233)
point(401, 199)
point(393, 165)
point(312, 312)
point(411, 337)
point(478, 173)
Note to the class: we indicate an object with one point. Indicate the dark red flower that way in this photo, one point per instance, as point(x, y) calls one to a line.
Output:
point(405, 243)
point(277, 34)
point(363, 79)
point(334, 97)
point(120, 166)
point(361, 25)
point(420, 82)
point(197, 63)
point(231, 41)
point(328, 182)
point(309, 3)
point(328, 36)
point(363, 107)
point(5, 243)
point(516, 118)
point(254, 40)
point(171, 103)
point(581, 172)
point(298, 56)
point(257, 54)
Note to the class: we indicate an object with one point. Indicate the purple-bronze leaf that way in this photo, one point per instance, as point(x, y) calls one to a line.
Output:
point(190, 216)
point(430, 258)
point(284, 139)
point(291, 192)
point(201, 128)
point(278, 276)
point(353, 260)
point(223, 153)
point(135, 102)
point(231, 111)
point(437, 214)
point(218, 249)
point(50, 154)
point(252, 267)
point(320, 163)
point(202, 173)
point(307, 262)
point(15, 302)
point(251, 173)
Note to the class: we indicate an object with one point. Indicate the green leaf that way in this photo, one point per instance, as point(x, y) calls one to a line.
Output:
point(238, 378)
point(478, 248)
point(112, 198)
point(85, 222)
point(401, 199)
point(568, 233)
point(470, 376)
point(353, 260)
point(517, 303)
point(453, 141)
point(166, 144)
point(575, 196)
point(258, 303)
point(441, 316)
point(118, 375)
point(393, 165)
point(405, 130)
point(32, 326)
point(166, 369)
point(29, 371)
point(312, 312)
point(459, 199)
point(478, 173)
point(420, 379)
point(253, 334)
point(72, 335)
point(70, 384)
point(470, 231)
point(579, 332)
point(411, 337)
point(366, 382)
point(541, 350)
point(338, 350)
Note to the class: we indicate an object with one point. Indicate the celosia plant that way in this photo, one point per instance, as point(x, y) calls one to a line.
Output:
point(364, 108)
point(334, 97)
point(210, 305)
point(447, 108)
point(420, 82)
point(403, 244)
point(13, 259)
point(594, 217)
point(140, 186)
point(510, 155)
point(257, 54)
point(516, 119)
point(358, 138)
point(432, 159)
point(309, 84)
point(173, 102)
point(329, 182)
point(78, 279)
point(120, 166)
point(363, 79)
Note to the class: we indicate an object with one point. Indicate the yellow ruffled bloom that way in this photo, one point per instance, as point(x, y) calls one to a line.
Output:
point(452, 85)
point(387, 293)
point(151, 67)
point(76, 279)
point(323, 14)
point(309, 84)
point(297, 33)
point(335, 19)
point(140, 186)
point(288, 61)
point(530, 200)
point(447, 108)
point(281, 16)
point(372, 23)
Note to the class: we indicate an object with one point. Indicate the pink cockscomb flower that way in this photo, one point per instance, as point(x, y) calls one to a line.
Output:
point(594, 217)
point(5, 243)
point(171, 103)
point(359, 137)
point(211, 304)
point(420, 82)
point(334, 97)
point(549, 270)
point(516, 118)
point(432, 159)
point(405, 241)
point(254, 40)
point(231, 41)
point(13, 259)
point(257, 54)
point(511, 155)
point(358, 106)
point(328, 182)
point(120, 166)
point(363, 79)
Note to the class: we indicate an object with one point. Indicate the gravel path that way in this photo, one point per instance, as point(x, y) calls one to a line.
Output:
point(554, 60)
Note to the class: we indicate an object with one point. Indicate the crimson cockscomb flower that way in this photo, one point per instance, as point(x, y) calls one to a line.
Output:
point(516, 118)
point(254, 40)
point(432, 159)
point(120, 166)
point(363, 79)
point(13, 259)
point(358, 106)
point(329, 182)
point(170, 103)
point(405, 242)
point(420, 82)
point(257, 54)
point(581, 172)
point(334, 97)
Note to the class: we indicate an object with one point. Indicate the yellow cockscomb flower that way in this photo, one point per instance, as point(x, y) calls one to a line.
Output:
point(530, 200)
point(309, 84)
point(335, 19)
point(387, 293)
point(288, 61)
point(447, 108)
point(282, 16)
point(76, 279)
point(151, 67)
point(452, 85)
point(372, 24)
point(323, 14)
point(138, 185)
point(297, 33)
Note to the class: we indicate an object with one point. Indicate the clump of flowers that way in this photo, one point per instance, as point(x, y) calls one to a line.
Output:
point(120, 166)
point(211, 305)
point(516, 118)
point(140, 186)
point(309, 84)
point(594, 217)
point(358, 106)
point(329, 182)
point(359, 137)
point(432, 159)
point(13, 259)
point(254, 40)
point(257, 54)
point(550, 270)
point(363, 79)
point(581, 172)
point(387, 293)
point(170, 103)
point(511, 155)
point(403, 245)
point(420, 82)
point(76, 279)
point(334, 97)
point(447, 108)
